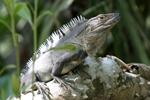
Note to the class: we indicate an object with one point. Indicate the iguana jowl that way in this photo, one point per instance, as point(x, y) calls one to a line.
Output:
point(87, 35)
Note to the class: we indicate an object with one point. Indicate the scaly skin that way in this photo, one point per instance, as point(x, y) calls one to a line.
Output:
point(87, 35)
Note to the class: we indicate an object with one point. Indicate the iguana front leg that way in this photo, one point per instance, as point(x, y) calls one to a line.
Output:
point(66, 63)
point(41, 87)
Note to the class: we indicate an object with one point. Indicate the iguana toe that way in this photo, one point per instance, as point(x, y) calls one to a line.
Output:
point(63, 82)
point(43, 89)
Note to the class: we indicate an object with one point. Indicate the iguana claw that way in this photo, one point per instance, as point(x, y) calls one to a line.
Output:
point(63, 82)
point(43, 89)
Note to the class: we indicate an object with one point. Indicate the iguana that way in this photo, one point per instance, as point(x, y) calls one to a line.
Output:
point(87, 35)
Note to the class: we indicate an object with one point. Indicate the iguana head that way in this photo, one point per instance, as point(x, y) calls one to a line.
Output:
point(102, 22)
point(96, 31)
point(91, 34)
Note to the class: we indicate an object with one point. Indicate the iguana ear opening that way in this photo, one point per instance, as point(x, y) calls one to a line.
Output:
point(88, 28)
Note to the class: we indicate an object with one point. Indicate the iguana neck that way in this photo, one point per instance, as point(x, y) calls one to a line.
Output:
point(92, 47)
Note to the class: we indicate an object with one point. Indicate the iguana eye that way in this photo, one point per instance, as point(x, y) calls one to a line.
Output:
point(100, 18)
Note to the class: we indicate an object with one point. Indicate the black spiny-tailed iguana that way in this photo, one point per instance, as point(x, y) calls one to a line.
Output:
point(87, 35)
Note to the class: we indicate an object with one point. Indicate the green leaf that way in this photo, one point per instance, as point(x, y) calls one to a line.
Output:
point(15, 85)
point(11, 96)
point(5, 23)
point(18, 7)
point(3, 94)
point(8, 4)
point(5, 83)
point(24, 87)
point(30, 6)
point(24, 12)
point(67, 47)
point(7, 67)
point(45, 13)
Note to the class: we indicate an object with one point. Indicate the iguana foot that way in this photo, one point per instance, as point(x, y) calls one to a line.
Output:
point(63, 82)
point(82, 73)
point(121, 63)
point(43, 89)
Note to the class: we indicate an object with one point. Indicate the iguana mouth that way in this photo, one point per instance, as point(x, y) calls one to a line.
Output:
point(109, 23)
point(113, 20)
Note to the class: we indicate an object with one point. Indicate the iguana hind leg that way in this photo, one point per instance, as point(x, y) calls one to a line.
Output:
point(64, 64)
point(81, 72)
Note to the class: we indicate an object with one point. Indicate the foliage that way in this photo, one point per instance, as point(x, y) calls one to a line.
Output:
point(130, 38)
point(67, 47)
point(23, 11)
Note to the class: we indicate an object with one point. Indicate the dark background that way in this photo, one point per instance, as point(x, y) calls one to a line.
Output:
point(129, 40)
